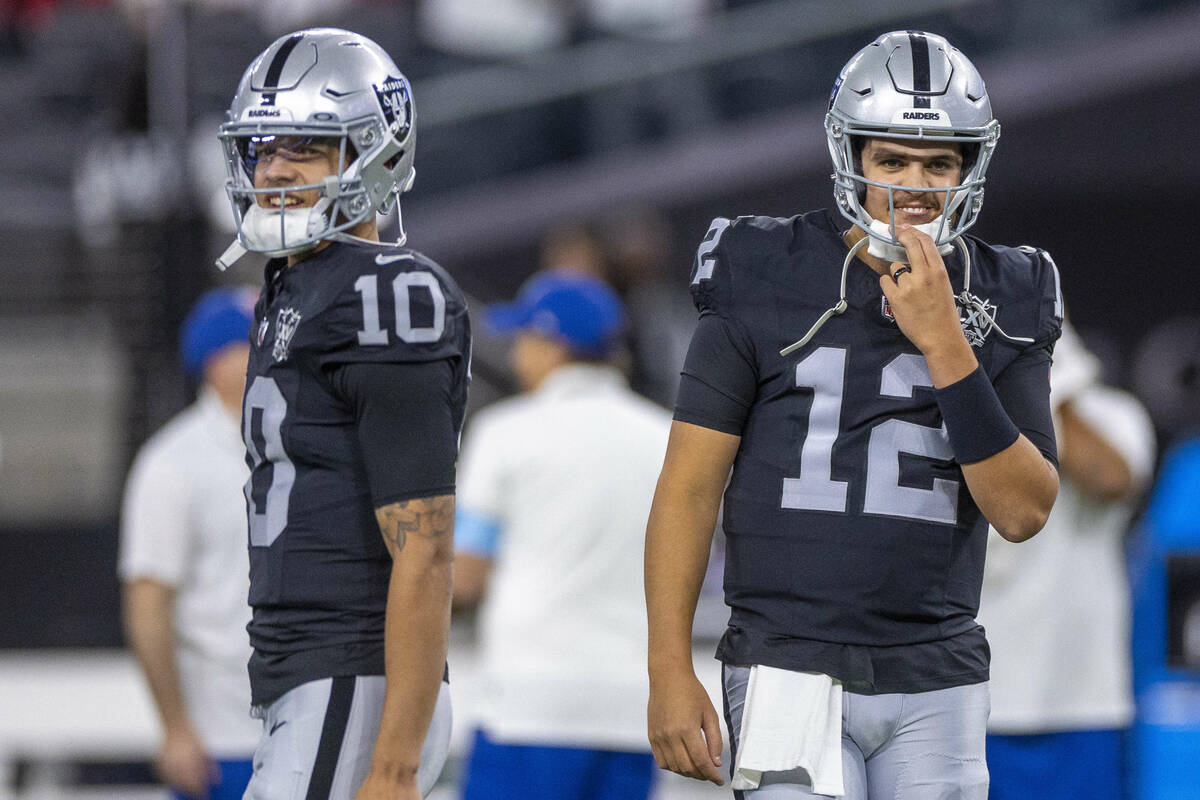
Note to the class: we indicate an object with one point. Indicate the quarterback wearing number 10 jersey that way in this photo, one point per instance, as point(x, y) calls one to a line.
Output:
point(319, 569)
point(854, 547)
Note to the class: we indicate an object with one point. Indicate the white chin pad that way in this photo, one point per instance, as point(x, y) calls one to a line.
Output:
point(885, 249)
point(262, 232)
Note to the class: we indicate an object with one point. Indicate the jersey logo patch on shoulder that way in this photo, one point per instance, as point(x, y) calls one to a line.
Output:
point(885, 308)
point(285, 328)
point(975, 324)
point(262, 330)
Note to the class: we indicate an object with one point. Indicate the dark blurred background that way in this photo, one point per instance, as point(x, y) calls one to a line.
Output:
point(546, 129)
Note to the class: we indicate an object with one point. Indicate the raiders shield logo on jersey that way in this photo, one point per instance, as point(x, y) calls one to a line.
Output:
point(975, 324)
point(285, 328)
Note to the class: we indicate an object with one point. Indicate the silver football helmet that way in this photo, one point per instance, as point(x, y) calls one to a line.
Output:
point(330, 86)
point(910, 85)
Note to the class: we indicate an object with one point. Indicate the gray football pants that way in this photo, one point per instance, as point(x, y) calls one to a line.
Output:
point(318, 739)
point(923, 746)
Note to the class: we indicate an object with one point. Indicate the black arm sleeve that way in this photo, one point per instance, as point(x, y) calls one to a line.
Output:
point(405, 426)
point(1024, 390)
point(719, 379)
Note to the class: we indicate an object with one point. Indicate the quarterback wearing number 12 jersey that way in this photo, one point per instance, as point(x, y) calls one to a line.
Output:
point(854, 548)
point(865, 400)
point(318, 566)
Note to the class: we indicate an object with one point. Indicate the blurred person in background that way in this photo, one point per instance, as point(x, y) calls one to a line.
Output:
point(554, 489)
point(355, 396)
point(633, 251)
point(1057, 609)
point(865, 398)
point(183, 563)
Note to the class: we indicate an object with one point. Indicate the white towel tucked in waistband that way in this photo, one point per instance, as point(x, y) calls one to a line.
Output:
point(791, 720)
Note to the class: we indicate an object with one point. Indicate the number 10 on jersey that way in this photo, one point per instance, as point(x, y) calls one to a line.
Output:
point(402, 291)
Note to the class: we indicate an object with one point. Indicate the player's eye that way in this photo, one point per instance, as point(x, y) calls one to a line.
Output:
point(293, 147)
point(308, 149)
point(258, 149)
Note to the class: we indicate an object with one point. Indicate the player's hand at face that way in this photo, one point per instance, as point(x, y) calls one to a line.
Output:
point(184, 764)
point(921, 296)
point(685, 734)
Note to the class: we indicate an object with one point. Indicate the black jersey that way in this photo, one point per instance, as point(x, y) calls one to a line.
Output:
point(853, 545)
point(319, 569)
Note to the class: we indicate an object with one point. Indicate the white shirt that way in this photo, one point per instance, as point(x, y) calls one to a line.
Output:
point(183, 523)
point(1056, 608)
point(568, 472)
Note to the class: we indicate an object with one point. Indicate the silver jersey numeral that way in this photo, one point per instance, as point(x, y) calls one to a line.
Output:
point(824, 371)
point(889, 439)
point(265, 401)
point(373, 333)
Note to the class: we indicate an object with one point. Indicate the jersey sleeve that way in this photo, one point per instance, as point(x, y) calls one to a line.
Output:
point(1049, 286)
point(154, 520)
point(397, 308)
point(406, 426)
point(719, 379)
point(1024, 391)
point(712, 276)
point(1024, 385)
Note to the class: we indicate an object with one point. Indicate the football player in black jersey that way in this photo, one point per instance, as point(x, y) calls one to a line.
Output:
point(864, 399)
point(355, 395)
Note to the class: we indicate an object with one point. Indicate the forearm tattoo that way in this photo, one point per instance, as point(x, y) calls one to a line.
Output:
point(427, 517)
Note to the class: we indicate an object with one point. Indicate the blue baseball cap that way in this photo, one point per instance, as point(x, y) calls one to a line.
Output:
point(576, 307)
point(220, 318)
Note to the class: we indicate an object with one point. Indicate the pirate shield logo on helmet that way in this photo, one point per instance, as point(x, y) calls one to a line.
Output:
point(395, 103)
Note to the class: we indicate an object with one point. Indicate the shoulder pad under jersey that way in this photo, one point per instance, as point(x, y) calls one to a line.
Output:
point(730, 256)
point(1048, 285)
point(393, 304)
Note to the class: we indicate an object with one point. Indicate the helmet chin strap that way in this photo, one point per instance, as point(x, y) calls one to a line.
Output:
point(964, 298)
point(884, 242)
point(880, 248)
point(235, 255)
point(261, 227)
point(397, 242)
point(267, 230)
point(837, 309)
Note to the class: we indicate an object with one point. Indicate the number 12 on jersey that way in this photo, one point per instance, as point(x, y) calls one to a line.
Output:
point(824, 371)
